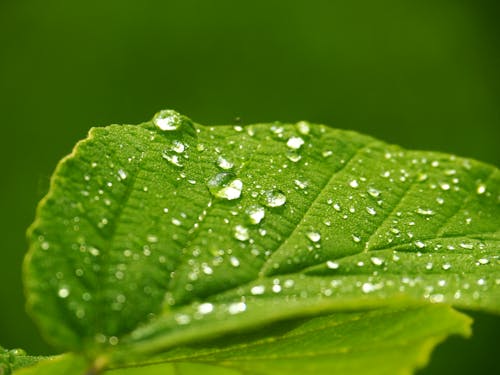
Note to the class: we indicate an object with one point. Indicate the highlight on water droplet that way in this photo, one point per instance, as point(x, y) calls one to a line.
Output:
point(274, 198)
point(225, 185)
point(313, 236)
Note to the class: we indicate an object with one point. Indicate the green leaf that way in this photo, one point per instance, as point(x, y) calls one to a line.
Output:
point(170, 232)
point(58, 365)
point(375, 342)
point(13, 359)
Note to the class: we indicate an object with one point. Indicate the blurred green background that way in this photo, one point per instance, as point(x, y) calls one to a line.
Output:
point(424, 74)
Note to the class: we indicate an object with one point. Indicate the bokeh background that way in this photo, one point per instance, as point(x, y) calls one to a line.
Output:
point(424, 74)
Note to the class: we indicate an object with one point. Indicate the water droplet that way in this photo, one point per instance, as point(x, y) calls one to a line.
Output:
point(167, 120)
point(63, 292)
point(356, 238)
point(122, 174)
point(368, 287)
point(274, 198)
point(301, 184)
point(371, 210)
point(172, 158)
point(481, 189)
point(178, 146)
point(303, 127)
point(224, 163)
point(295, 143)
point(225, 186)
point(376, 261)
point(436, 298)
point(336, 206)
point(176, 222)
point(314, 236)
point(182, 319)
point(235, 262)
point(445, 186)
point(205, 308)
point(327, 153)
point(468, 246)
point(255, 214)
point(293, 156)
point(237, 308)
point(258, 290)
point(241, 233)
point(446, 266)
point(424, 212)
point(354, 184)
point(374, 192)
point(419, 244)
point(483, 261)
point(332, 265)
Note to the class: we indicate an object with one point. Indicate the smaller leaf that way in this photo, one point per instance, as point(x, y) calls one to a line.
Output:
point(383, 341)
point(65, 364)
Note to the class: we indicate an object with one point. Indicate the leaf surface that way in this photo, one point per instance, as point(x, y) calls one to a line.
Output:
point(170, 232)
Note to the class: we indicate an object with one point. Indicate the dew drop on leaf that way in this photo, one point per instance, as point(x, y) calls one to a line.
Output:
point(313, 236)
point(255, 214)
point(274, 198)
point(225, 185)
point(167, 120)
point(241, 233)
point(295, 143)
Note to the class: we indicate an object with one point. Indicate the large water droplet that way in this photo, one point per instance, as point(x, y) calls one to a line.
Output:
point(274, 198)
point(168, 120)
point(225, 185)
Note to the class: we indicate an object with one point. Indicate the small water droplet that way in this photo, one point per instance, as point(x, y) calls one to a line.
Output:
point(376, 261)
point(172, 158)
point(225, 185)
point(241, 233)
point(255, 214)
point(481, 189)
point(327, 153)
point(122, 174)
point(303, 127)
point(425, 212)
point(446, 266)
point(368, 287)
point(419, 244)
point(354, 184)
point(258, 290)
point(63, 292)
point(468, 246)
point(445, 186)
point(332, 265)
point(223, 163)
point(371, 210)
point(314, 236)
point(274, 198)
point(237, 308)
point(295, 143)
point(205, 308)
point(483, 261)
point(293, 156)
point(235, 262)
point(356, 238)
point(301, 184)
point(374, 192)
